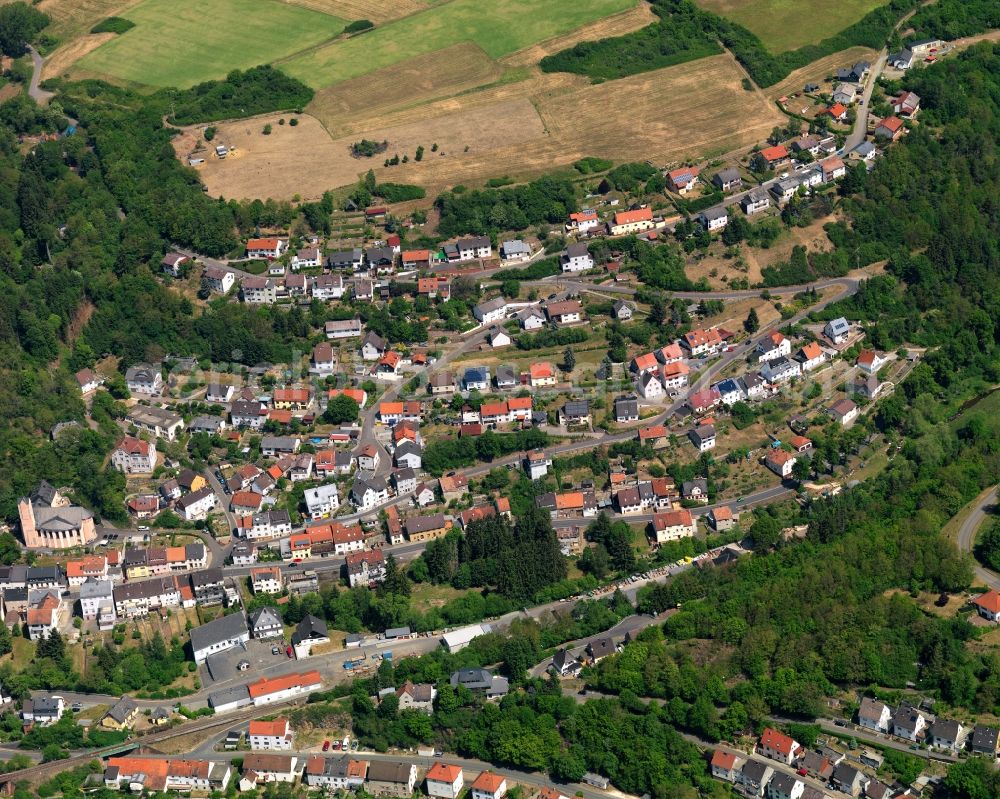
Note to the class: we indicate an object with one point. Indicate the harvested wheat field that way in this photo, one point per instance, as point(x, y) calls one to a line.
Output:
point(520, 130)
point(59, 63)
point(818, 70)
point(352, 10)
point(418, 80)
point(304, 160)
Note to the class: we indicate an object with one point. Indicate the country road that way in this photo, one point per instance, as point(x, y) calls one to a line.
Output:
point(36, 93)
point(966, 538)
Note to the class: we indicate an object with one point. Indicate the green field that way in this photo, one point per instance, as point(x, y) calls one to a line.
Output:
point(184, 42)
point(788, 24)
point(499, 27)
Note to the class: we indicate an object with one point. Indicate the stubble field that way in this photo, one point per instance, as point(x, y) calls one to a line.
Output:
point(518, 130)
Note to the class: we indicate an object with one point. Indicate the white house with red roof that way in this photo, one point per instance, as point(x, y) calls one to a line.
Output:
point(584, 221)
point(890, 128)
point(270, 735)
point(780, 462)
point(988, 605)
point(726, 765)
point(870, 361)
point(444, 780)
point(269, 248)
point(489, 786)
point(778, 746)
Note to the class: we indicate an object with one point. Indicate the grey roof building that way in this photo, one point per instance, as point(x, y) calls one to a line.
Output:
point(219, 635)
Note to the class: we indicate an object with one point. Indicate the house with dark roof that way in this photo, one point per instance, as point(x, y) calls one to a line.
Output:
point(311, 632)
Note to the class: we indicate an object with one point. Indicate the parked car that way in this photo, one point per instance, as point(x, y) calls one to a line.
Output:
point(326, 746)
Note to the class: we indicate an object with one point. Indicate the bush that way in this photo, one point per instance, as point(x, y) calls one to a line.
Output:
point(113, 25)
point(366, 148)
point(359, 26)
point(591, 165)
point(399, 192)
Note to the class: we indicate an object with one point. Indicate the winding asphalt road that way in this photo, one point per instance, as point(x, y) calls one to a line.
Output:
point(38, 94)
point(966, 539)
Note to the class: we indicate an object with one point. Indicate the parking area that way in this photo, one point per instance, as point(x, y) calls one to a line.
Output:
point(248, 659)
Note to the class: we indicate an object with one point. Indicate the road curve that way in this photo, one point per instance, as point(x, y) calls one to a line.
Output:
point(966, 539)
point(38, 94)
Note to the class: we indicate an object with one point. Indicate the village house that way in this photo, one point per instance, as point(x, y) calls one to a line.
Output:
point(159, 422)
point(576, 258)
point(444, 781)
point(489, 786)
point(703, 437)
point(771, 157)
point(722, 518)
point(773, 346)
point(628, 222)
point(727, 179)
point(259, 291)
point(844, 411)
point(366, 568)
point(531, 319)
point(269, 248)
point(583, 222)
point(837, 330)
point(781, 370)
point(514, 250)
point(755, 201)
point(575, 412)
point(988, 605)
point(673, 525)
point(390, 778)
point(890, 128)
point(219, 280)
point(626, 409)
point(702, 342)
point(906, 104)
point(777, 746)
point(270, 735)
point(144, 379)
point(133, 455)
point(266, 580)
point(780, 462)
point(908, 722)
point(833, 168)
point(682, 180)
point(88, 381)
point(565, 312)
point(713, 219)
point(726, 765)
point(811, 356)
point(494, 310)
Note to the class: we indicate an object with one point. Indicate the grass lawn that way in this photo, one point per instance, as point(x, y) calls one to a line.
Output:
point(427, 595)
point(786, 25)
point(499, 28)
point(183, 42)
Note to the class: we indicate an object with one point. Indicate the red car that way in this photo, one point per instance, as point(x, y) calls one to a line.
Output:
point(288, 651)
point(326, 746)
point(801, 772)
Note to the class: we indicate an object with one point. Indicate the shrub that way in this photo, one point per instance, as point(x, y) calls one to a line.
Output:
point(113, 25)
point(359, 26)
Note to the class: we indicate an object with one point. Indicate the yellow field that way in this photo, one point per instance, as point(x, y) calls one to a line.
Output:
point(521, 129)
